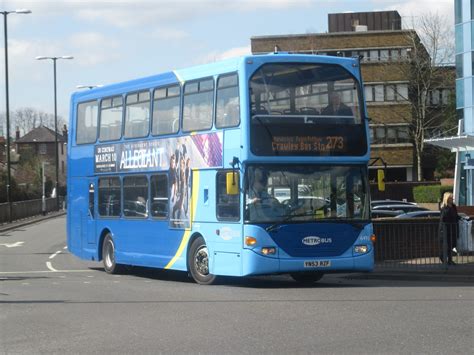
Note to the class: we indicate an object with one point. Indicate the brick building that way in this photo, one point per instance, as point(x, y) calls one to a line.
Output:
point(385, 47)
point(40, 143)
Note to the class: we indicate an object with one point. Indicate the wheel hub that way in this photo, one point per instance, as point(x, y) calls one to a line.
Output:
point(201, 261)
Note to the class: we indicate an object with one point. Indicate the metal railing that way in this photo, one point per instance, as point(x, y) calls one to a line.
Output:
point(29, 208)
point(423, 244)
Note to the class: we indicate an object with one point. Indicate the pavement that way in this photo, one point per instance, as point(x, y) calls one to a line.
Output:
point(457, 273)
point(30, 220)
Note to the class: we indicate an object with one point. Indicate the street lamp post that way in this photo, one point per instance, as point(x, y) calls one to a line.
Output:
point(54, 59)
point(7, 106)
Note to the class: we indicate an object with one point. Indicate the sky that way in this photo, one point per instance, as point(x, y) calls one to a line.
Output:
point(118, 40)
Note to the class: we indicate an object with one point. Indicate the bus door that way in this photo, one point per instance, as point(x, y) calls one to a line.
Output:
point(89, 225)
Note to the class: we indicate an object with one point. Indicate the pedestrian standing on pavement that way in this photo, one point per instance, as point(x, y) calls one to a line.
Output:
point(449, 227)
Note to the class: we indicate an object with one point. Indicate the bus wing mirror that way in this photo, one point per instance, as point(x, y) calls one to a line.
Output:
point(232, 185)
point(381, 180)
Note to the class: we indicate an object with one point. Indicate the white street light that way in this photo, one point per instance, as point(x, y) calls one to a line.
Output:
point(54, 59)
point(88, 86)
point(7, 107)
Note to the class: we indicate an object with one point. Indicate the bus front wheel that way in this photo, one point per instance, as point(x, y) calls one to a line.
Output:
point(307, 277)
point(108, 256)
point(198, 262)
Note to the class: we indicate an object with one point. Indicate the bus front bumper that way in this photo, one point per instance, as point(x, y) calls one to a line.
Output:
point(257, 264)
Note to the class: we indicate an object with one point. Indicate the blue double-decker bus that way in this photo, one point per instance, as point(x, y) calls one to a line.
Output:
point(253, 165)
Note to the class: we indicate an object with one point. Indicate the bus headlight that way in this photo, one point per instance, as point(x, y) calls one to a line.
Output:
point(268, 250)
point(361, 249)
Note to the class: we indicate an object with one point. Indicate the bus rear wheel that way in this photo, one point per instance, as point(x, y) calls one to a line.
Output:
point(198, 262)
point(108, 256)
point(306, 277)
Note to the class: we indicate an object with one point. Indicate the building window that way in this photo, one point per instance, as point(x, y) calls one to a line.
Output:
point(458, 11)
point(198, 105)
point(137, 115)
point(384, 55)
point(395, 55)
point(109, 197)
point(390, 93)
point(42, 149)
point(389, 134)
point(404, 53)
point(459, 40)
point(374, 55)
point(379, 95)
point(459, 65)
point(459, 93)
point(434, 96)
point(402, 92)
point(369, 93)
point(166, 106)
point(111, 118)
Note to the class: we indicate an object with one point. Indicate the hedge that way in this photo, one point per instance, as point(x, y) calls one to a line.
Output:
point(430, 194)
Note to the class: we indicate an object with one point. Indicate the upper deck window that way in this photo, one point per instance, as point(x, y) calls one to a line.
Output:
point(166, 105)
point(111, 110)
point(137, 114)
point(228, 109)
point(307, 109)
point(320, 92)
point(198, 105)
point(86, 129)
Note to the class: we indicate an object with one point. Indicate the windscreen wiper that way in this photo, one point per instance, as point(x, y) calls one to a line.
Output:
point(287, 218)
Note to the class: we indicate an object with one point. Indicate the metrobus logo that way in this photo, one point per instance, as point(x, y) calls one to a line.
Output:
point(313, 240)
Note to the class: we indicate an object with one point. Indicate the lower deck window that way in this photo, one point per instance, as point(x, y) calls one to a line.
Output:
point(109, 197)
point(135, 196)
point(159, 196)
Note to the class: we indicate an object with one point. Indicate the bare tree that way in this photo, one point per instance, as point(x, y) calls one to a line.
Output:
point(28, 118)
point(428, 72)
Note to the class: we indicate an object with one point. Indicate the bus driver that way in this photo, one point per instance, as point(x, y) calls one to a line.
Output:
point(260, 204)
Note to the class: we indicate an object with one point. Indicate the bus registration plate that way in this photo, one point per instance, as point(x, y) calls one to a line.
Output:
point(317, 263)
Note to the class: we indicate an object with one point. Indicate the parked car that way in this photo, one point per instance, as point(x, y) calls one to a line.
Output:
point(404, 208)
point(385, 213)
point(419, 214)
point(390, 202)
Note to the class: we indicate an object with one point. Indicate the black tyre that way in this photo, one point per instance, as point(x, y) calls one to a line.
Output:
point(198, 262)
point(307, 277)
point(108, 256)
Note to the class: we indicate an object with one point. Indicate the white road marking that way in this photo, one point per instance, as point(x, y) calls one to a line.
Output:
point(13, 245)
point(65, 248)
point(53, 255)
point(48, 264)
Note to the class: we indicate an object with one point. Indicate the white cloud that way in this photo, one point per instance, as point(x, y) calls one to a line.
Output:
point(93, 48)
point(170, 34)
point(128, 13)
point(230, 53)
point(410, 10)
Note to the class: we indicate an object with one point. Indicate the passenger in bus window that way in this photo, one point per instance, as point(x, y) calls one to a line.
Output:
point(336, 107)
